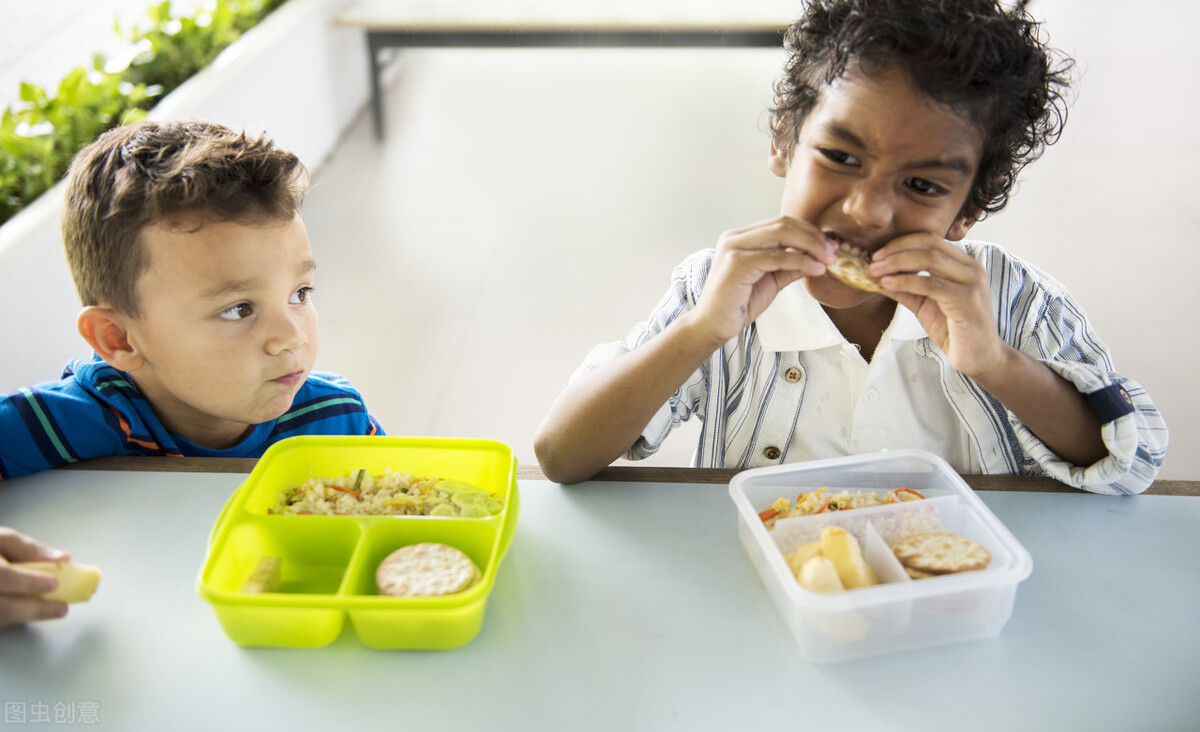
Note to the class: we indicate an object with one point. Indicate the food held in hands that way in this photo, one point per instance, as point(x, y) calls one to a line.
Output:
point(426, 569)
point(76, 582)
point(850, 266)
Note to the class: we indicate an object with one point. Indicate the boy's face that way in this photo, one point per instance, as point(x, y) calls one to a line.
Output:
point(876, 159)
point(227, 332)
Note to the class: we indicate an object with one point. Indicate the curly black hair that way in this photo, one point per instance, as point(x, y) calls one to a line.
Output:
point(985, 61)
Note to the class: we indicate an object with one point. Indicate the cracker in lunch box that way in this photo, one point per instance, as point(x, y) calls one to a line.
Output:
point(941, 553)
point(426, 569)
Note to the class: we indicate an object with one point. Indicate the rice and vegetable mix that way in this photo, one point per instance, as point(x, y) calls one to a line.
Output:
point(820, 501)
point(393, 493)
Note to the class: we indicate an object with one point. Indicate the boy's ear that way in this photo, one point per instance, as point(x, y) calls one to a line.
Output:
point(105, 331)
point(779, 159)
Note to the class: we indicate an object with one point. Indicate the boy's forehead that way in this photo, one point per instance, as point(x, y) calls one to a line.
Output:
point(886, 110)
point(224, 249)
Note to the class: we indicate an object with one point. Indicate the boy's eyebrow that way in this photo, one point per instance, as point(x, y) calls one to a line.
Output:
point(957, 164)
point(235, 286)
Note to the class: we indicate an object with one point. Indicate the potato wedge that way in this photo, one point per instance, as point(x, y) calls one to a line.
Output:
point(840, 546)
point(264, 577)
point(819, 574)
point(76, 582)
point(803, 553)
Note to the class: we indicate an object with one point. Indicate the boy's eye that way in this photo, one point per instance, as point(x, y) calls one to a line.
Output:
point(301, 296)
point(924, 187)
point(238, 312)
point(839, 157)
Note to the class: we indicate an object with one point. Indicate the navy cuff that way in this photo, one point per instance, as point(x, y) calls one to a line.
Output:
point(1110, 403)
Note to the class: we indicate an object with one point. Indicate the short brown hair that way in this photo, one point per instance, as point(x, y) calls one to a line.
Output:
point(982, 59)
point(152, 172)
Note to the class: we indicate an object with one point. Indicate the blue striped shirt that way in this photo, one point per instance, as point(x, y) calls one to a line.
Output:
point(748, 415)
point(97, 411)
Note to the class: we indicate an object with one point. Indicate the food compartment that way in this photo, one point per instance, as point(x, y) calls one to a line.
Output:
point(313, 554)
point(430, 622)
point(899, 613)
point(484, 464)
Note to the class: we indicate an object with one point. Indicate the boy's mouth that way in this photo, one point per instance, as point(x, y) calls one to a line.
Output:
point(856, 245)
point(290, 379)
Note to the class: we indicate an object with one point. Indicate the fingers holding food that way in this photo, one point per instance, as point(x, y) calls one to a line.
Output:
point(76, 582)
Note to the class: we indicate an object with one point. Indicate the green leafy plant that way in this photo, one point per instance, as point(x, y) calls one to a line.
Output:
point(42, 132)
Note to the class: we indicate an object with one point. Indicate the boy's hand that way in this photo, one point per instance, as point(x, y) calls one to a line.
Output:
point(948, 292)
point(19, 588)
point(751, 265)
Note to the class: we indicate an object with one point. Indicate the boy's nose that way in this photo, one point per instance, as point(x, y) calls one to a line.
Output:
point(287, 334)
point(870, 204)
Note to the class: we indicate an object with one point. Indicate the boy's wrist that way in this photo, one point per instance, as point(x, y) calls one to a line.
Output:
point(696, 337)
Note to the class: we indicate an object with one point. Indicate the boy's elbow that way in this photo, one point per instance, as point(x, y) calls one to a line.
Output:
point(556, 462)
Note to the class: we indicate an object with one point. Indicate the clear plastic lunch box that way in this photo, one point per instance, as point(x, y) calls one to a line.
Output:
point(900, 613)
point(328, 562)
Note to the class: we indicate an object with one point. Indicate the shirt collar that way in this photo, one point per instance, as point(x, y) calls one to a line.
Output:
point(795, 321)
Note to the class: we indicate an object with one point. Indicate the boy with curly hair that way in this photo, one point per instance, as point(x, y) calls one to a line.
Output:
point(897, 125)
point(189, 254)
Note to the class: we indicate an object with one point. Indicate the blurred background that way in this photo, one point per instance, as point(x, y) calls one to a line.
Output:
point(525, 205)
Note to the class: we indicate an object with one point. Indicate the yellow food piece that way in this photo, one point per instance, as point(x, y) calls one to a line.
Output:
point(840, 546)
point(819, 574)
point(76, 582)
point(264, 577)
point(803, 553)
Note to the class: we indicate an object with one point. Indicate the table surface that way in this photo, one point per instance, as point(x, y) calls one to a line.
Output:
point(622, 605)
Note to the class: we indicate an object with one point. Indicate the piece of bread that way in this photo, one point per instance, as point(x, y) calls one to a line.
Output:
point(841, 546)
point(76, 582)
point(852, 269)
point(941, 553)
point(425, 569)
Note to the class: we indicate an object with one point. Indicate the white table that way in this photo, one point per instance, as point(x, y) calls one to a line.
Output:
point(620, 606)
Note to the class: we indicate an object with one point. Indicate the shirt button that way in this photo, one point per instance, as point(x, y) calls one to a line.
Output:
point(870, 396)
point(771, 453)
point(792, 375)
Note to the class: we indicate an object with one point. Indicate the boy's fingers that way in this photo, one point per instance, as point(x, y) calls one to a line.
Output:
point(20, 581)
point(780, 236)
point(16, 547)
point(15, 610)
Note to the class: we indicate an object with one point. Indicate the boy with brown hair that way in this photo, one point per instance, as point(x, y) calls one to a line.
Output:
point(196, 275)
point(898, 124)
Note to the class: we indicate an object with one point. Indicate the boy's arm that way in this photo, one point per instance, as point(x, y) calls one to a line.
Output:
point(952, 300)
point(599, 416)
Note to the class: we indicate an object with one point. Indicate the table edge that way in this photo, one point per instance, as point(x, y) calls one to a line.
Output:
point(615, 474)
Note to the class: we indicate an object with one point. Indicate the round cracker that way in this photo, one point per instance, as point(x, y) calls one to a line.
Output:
point(941, 553)
point(852, 270)
point(427, 569)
